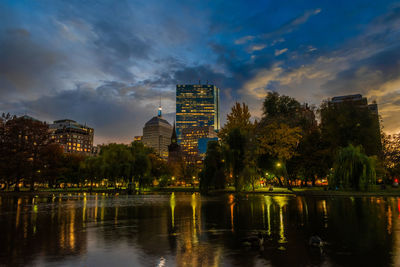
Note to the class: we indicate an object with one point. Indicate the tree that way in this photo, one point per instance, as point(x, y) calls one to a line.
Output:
point(353, 169)
point(285, 121)
point(117, 162)
point(141, 164)
point(235, 156)
point(312, 159)
point(276, 105)
point(239, 142)
point(141, 168)
point(391, 155)
point(22, 141)
point(279, 140)
point(239, 118)
point(72, 168)
point(250, 175)
point(52, 159)
point(348, 123)
point(91, 169)
point(213, 175)
point(159, 167)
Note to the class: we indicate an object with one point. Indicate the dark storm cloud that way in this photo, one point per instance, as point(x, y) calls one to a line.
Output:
point(26, 65)
point(114, 109)
point(367, 74)
point(108, 63)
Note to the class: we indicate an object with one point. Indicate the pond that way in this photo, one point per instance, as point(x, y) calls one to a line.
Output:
point(194, 230)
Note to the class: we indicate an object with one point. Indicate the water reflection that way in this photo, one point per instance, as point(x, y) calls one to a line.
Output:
point(193, 230)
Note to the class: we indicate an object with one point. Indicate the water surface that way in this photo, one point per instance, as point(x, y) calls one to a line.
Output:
point(193, 230)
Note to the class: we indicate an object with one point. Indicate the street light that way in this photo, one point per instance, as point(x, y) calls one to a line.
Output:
point(278, 165)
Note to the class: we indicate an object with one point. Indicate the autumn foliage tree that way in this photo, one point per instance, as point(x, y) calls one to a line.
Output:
point(23, 141)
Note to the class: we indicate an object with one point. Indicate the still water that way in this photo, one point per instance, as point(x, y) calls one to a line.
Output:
point(193, 230)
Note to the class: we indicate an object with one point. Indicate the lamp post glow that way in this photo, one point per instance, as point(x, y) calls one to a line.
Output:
point(278, 165)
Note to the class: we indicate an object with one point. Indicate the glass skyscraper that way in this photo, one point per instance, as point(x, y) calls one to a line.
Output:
point(196, 106)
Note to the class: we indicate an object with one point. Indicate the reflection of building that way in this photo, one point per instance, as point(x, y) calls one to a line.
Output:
point(196, 106)
point(192, 137)
point(72, 136)
point(157, 134)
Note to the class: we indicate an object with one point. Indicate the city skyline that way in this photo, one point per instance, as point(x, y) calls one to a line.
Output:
point(74, 60)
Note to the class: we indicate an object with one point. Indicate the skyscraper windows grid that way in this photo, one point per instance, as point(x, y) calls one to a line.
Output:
point(196, 106)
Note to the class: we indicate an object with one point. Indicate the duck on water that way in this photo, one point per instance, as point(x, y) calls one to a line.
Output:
point(253, 241)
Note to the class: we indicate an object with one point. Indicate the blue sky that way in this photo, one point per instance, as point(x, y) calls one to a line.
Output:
point(106, 63)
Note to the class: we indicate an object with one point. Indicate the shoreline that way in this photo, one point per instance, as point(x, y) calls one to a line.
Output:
point(314, 192)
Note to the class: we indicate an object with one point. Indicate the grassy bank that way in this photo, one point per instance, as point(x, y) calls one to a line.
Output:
point(311, 191)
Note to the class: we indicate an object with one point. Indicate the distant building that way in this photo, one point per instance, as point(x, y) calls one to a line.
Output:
point(190, 142)
point(174, 149)
point(157, 134)
point(357, 100)
point(196, 106)
point(138, 138)
point(72, 136)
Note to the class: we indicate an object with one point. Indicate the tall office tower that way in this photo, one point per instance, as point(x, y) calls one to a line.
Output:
point(194, 142)
point(157, 134)
point(72, 136)
point(196, 106)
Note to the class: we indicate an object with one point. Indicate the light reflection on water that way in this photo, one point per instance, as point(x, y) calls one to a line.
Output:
point(192, 230)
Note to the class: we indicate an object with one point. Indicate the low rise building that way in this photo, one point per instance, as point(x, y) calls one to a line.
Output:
point(72, 136)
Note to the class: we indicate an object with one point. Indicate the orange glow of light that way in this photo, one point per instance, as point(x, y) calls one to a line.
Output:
point(232, 225)
point(389, 216)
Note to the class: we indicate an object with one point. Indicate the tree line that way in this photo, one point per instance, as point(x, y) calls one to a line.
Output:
point(29, 156)
point(287, 144)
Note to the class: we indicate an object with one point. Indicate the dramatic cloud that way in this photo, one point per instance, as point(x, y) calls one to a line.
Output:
point(108, 63)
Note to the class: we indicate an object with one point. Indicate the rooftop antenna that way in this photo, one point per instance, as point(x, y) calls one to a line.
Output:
point(159, 108)
point(199, 82)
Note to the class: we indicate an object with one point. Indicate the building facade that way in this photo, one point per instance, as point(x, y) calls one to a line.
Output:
point(191, 137)
point(356, 100)
point(196, 106)
point(72, 136)
point(157, 135)
point(175, 155)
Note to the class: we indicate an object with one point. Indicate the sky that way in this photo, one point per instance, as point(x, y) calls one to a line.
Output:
point(108, 63)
